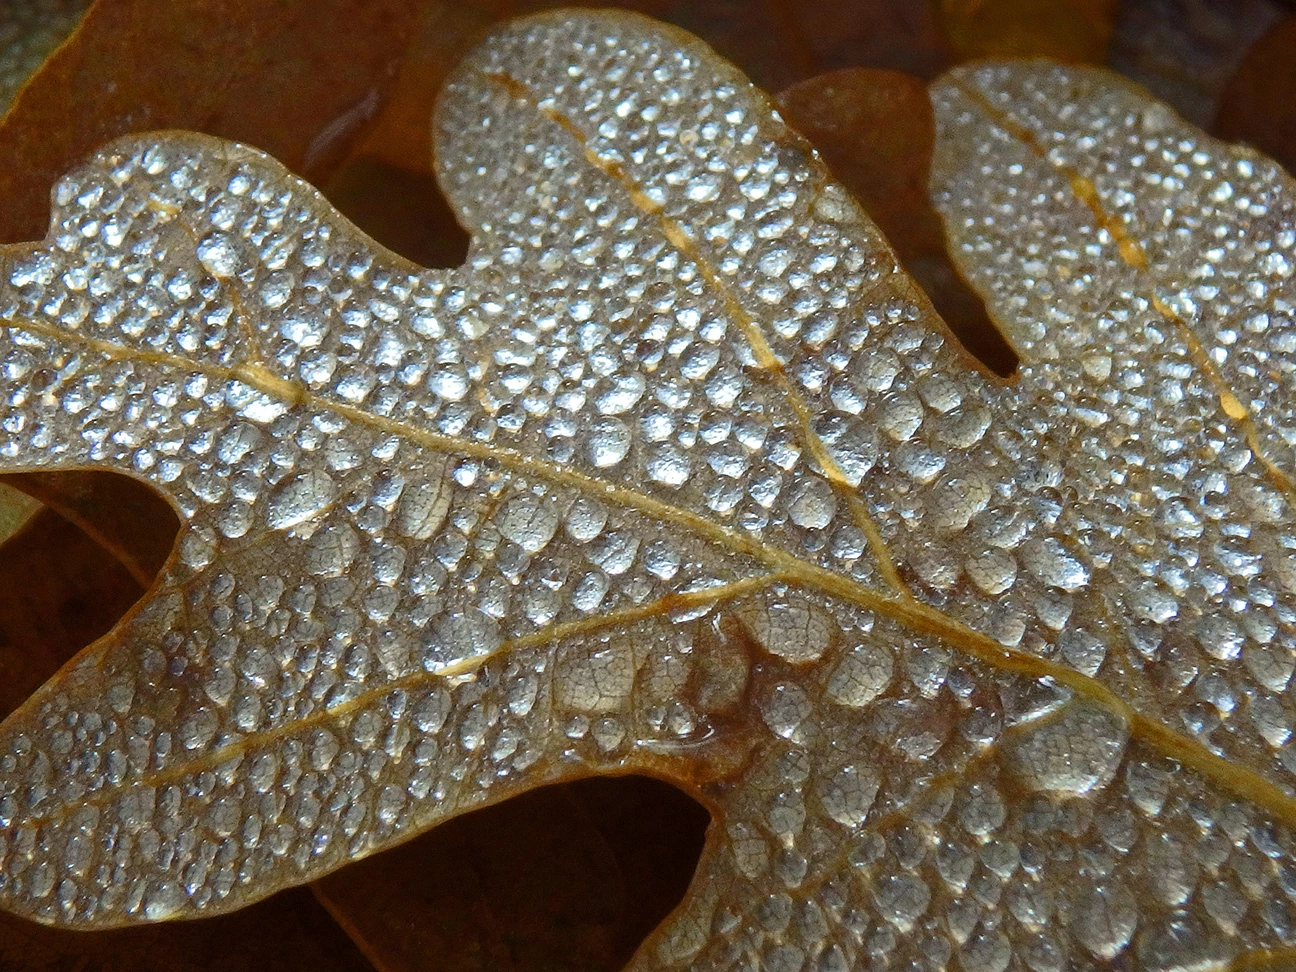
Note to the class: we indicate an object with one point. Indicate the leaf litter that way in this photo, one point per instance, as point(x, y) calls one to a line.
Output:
point(422, 512)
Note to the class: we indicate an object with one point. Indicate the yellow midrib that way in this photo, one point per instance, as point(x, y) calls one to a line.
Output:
point(1134, 255)
point(767, 362)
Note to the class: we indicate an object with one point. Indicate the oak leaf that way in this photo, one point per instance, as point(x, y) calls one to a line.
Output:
point(680, 475)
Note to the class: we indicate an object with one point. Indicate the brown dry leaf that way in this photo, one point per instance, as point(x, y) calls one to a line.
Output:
point(678, 475)
point(132, 523)
point(16, 508)
point(59, 591)
point(875, 130)
point(29, 31)
point(1070, 30)
point(1185, 51)
point(1258, 106)
point(249, 70)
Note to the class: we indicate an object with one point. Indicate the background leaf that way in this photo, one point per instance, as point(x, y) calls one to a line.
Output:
point(435, 241)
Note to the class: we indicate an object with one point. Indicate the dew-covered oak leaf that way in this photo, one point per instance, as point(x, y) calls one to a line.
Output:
point(680, 475)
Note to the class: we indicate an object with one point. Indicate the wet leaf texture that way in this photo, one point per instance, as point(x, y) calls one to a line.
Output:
point(679, 475)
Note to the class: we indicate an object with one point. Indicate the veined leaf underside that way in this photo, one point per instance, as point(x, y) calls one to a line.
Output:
point(679, 474)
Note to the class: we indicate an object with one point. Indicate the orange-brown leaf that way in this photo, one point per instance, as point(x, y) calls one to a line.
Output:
point(299, 81)
point(1070, 30)
point(571, 876)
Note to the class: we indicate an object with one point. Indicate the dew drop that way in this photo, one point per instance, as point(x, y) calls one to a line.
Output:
point(669, 466)
point(219, 253)
point(300, 498)
point(454, 638)
point(861, 676)
point(813, 505)
point(1074, 750)
point(163, 899)
point(793, 630)
point(848, 794)
point(423, 507)
point(530, 521)
point(1103, 919)
point(901, 899)
point(608, 442)
point(784, 708)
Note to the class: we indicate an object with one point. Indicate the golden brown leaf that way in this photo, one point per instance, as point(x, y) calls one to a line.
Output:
point(1070, 30)
point(29, 31)
point(572, 876)
point(16, 508)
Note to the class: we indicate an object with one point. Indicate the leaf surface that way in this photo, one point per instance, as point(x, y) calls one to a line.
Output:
point(680, 475)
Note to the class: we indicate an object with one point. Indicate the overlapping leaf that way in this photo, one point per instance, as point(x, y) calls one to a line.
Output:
point(680, 475)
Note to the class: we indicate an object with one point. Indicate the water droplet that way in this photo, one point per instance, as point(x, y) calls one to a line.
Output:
point(901, 899)
point(784, 708)
point(530, 521)
point(300, 498)
point(594, 678)
point(793, 630)
point(669, 465)
point(704, 188)
point(622, 394)
point(1103, 918)
point(813, 504)
point(199, 729)
point(861, 676)
point(1054, 565)
point(455, 638)
point(608, 442)
point(848, 794)
point(1073, 750)
point(423, 506)
point(331, 550)
point(162, 900)
point(219, 253)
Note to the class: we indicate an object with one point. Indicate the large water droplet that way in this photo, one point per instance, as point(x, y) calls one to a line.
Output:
point(792, 629)
point(861, 676)
point(454, 638)
point(300, 498)
point(901, 899)
point(530, 521)
point(784, 707)
point(1103, 918)
point(162, 900)
point(608, 442)
point(423, 506)
point(331, 550)
point(669, 465)
point(848, 794)
point(1074, 750)
point(219, 253)
point(813, 504)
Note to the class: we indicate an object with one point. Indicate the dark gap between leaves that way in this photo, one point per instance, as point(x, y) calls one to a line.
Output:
point(572, 876)
point(403, 210)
